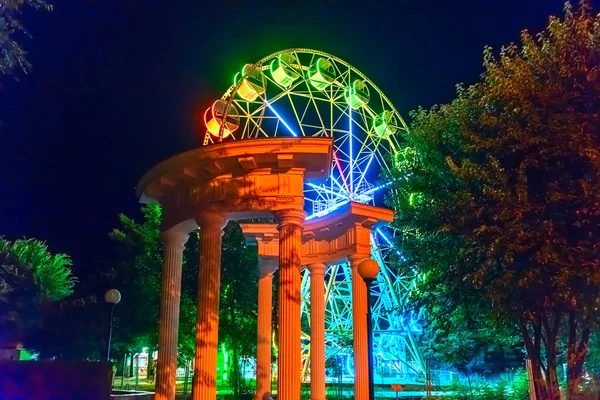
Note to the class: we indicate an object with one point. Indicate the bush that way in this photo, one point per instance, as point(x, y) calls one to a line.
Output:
point(518, 389)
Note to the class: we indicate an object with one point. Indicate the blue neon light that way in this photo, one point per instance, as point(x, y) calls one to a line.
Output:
point(337, 182)
point(327, 210)
point(377, 188)
point(389, 242)
point(281, 119)
point(348, 367)
point(365, 171)
point(351, 155)
point(312, 185)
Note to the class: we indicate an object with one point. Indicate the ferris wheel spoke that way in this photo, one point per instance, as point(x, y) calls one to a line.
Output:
point(328, 210)
point(337, 120)
point(346, 112)
point(258, 127)
point(312, 98)
point(337, 183)
point(280, 119)
point(296, 114)
point(383, 159)
point(364, 173)
point(320, 189)
point(339, 167)
point(320, 195)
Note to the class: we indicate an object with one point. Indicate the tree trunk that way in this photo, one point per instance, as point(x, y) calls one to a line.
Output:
point(534, 354)
point(551, 335)
point(469, 381)
point(553, 388)
point(576, 354)
point(539, 382)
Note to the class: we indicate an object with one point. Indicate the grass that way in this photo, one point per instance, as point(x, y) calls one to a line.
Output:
point(332, 388)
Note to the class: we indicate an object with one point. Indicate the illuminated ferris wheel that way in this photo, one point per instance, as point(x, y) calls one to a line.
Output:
point(303, 92)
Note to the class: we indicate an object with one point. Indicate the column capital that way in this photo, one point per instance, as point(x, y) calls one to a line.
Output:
point(355, 259)
point(291, 216)
point(211, 220)
point(174, 238)
point(267, 265)
point(316, 268)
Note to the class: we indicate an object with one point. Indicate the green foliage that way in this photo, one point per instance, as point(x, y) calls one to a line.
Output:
point(518, 389)
point(139, 277)
point(73, 329)
point(238, 304)
point(32, 280)
point(20, 299)
point(189, 295)
point(52, 272)
point(12, 54)
point(509, 174)
point(592, 363)
point(468, 339)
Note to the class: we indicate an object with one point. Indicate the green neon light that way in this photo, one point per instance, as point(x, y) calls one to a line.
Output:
point(253, 83)
point(357, 94)
point(225, 361)
point(384, 124)
point(321, 74)
point(415, 198)
point(274, 343)
point(284, 74)
point(406, 159)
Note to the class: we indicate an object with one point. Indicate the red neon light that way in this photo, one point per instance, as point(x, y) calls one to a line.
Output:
point(337, 162)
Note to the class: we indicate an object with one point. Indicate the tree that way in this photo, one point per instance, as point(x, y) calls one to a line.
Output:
point(73, 329)
point(31, 280)
point(239, 301)
point(52, 272)
point(138, 268)
point(19, 299)
point(12, 54)
point(138, 274)
point(468, 339)
point(498, 194)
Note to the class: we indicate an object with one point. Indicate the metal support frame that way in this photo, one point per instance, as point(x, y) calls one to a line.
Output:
point(298, 108)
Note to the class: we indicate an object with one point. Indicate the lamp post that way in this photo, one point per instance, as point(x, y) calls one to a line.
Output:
point(368, 269)
point(112, 297)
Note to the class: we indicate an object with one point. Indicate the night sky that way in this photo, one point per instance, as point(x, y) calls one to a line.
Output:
point(117, 86)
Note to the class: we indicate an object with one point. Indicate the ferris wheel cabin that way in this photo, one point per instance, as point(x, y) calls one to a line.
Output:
point(283, 69)
point(385, 124)
point(217, 112)
point(321, 74)
point(253, 83)
point(357, 94)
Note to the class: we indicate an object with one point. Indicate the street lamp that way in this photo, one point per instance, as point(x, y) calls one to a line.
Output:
point(368, 269)
point(112, 297)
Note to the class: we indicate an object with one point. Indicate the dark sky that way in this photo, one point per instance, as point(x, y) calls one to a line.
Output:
point(118, 85)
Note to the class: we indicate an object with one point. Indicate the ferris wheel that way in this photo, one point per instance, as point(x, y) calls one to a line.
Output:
point(303, 92)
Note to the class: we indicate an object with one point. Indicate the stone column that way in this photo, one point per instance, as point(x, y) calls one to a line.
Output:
point(168, 328)
point(359, 331)
point(204, 385)
point(289, 224)
point(266, 267)
point(317, 331)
